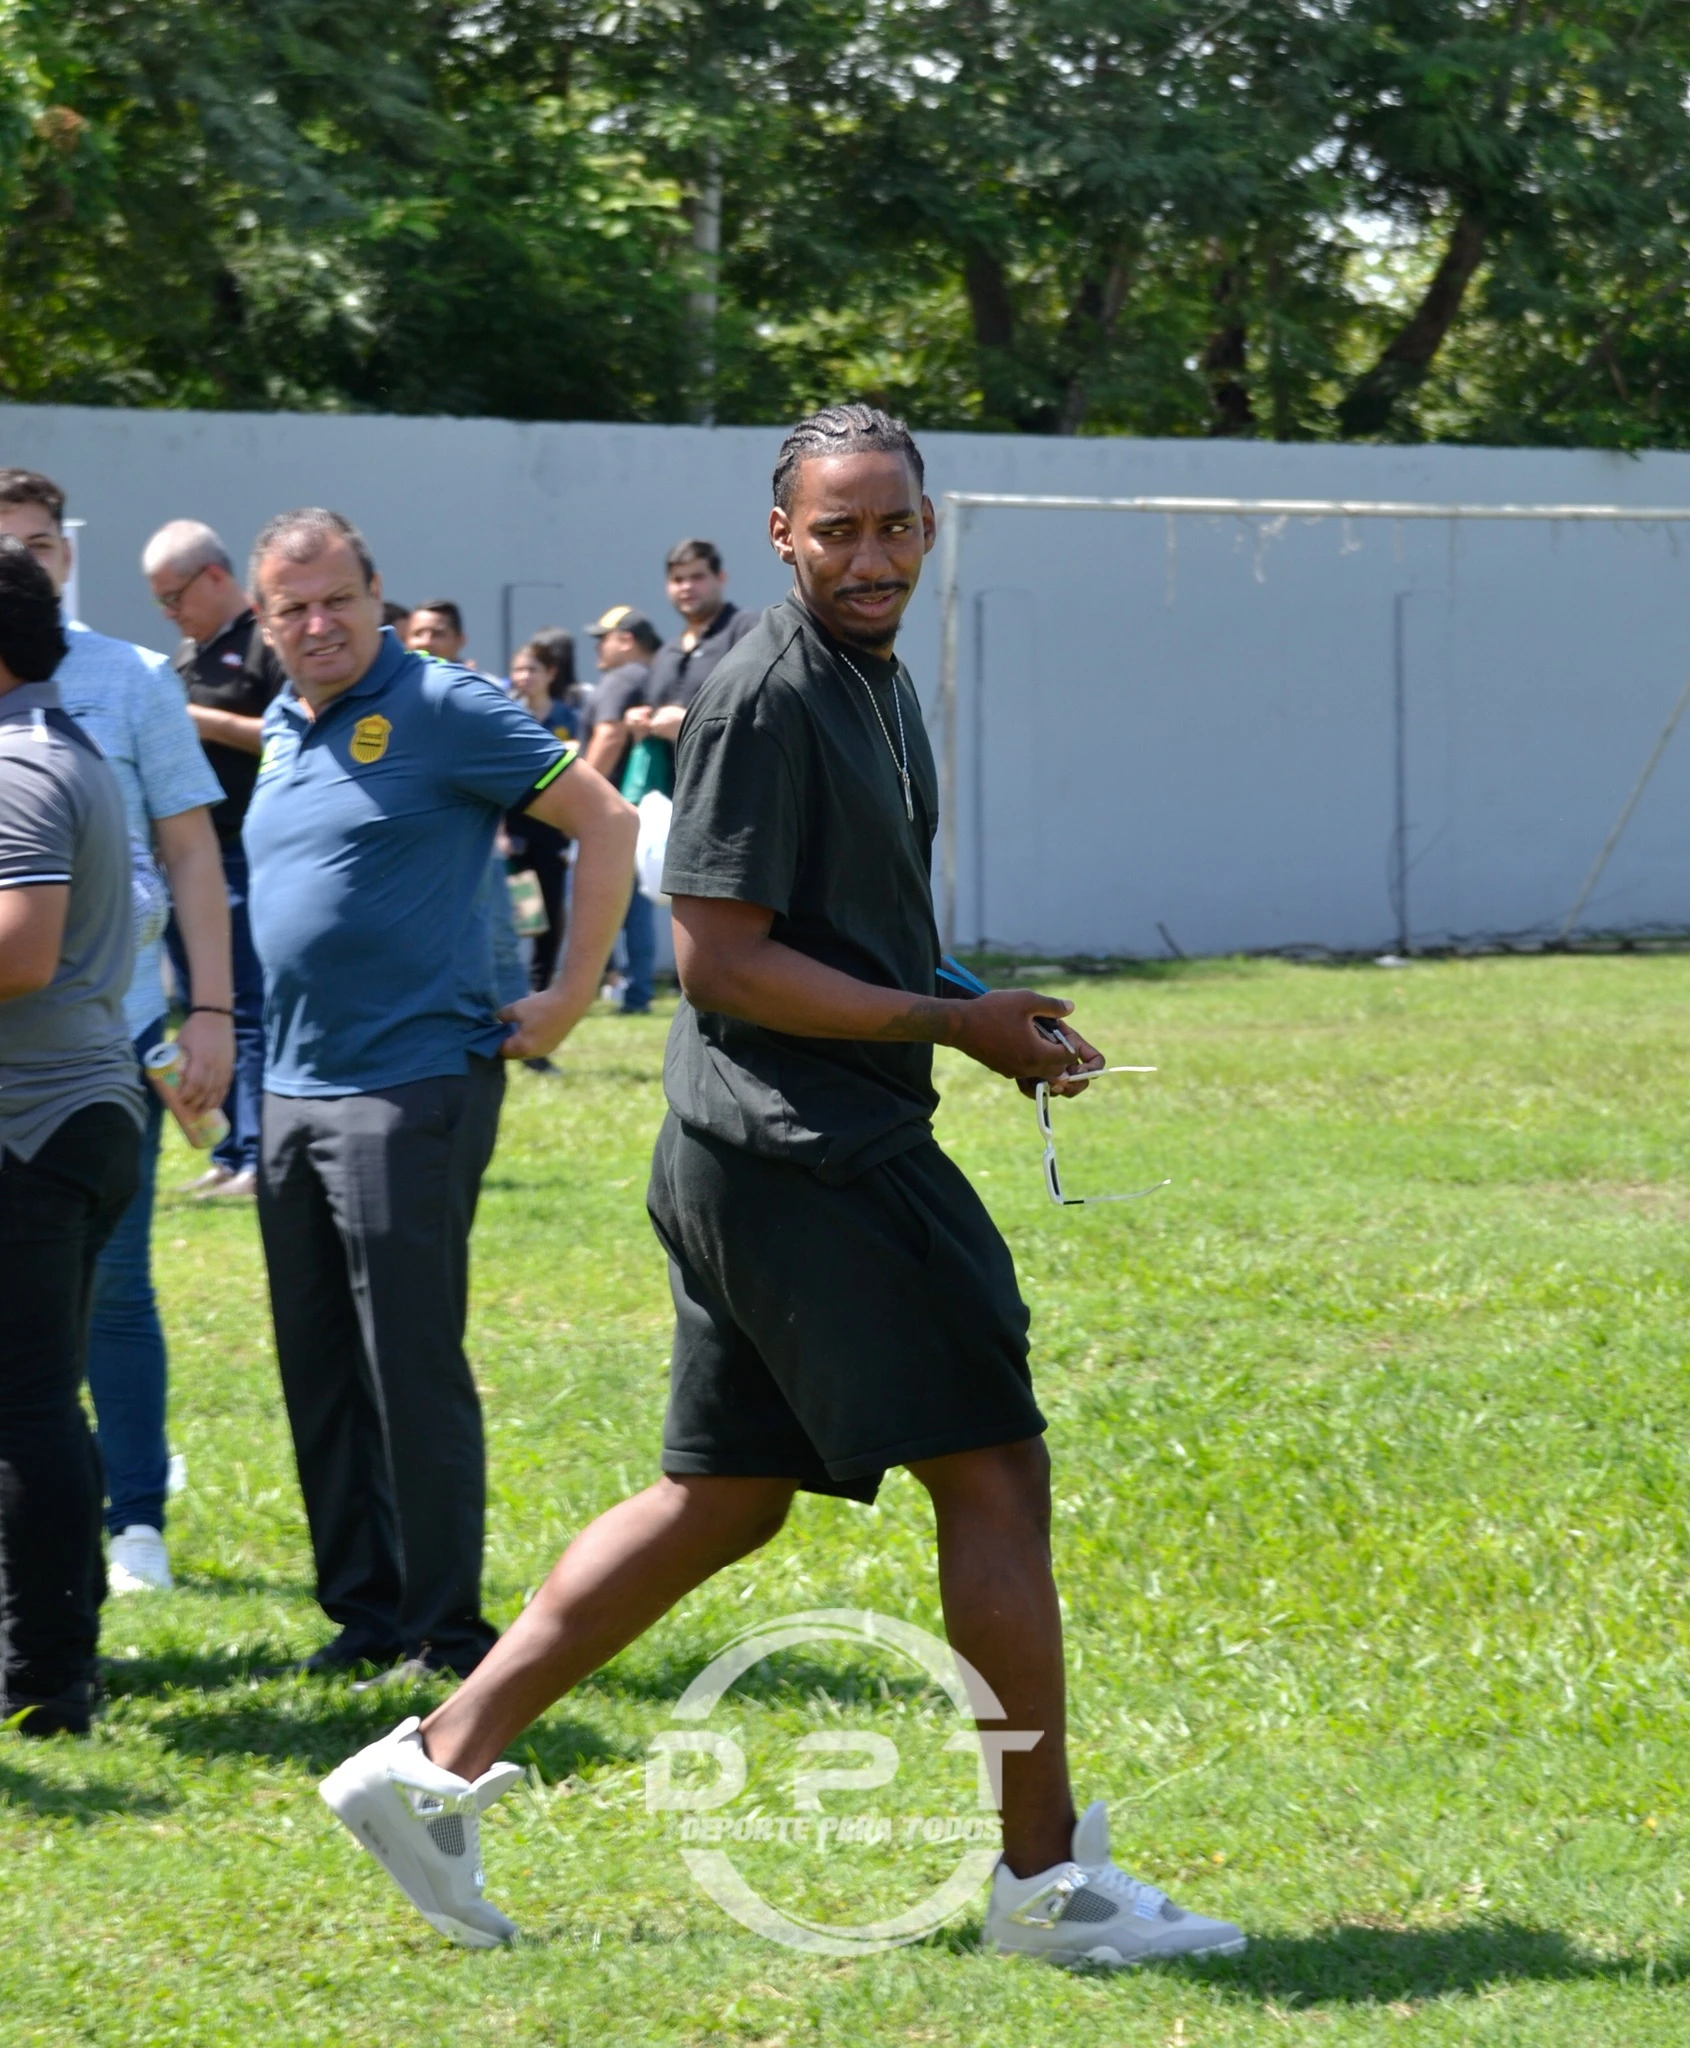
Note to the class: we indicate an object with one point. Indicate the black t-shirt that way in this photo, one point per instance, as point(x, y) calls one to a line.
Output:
point(678, 673)
point(617, 692)
point(233, 671)
point(787, 795)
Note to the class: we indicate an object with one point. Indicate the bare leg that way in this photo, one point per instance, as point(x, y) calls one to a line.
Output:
point(1001, 1613)
point(620, 1575)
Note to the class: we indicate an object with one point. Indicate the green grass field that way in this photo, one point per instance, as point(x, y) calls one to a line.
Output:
point(1370, 1441)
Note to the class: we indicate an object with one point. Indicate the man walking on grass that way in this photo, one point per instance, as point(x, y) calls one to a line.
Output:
point(843, 1302)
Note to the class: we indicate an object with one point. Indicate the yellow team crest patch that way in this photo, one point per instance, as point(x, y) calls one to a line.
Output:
point(369, 739)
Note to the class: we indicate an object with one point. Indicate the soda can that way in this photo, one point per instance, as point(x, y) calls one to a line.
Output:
point(163, 1067)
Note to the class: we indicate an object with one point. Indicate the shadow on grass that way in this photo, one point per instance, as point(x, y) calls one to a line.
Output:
point(316, 1725)
point(189, 1671)
point(560, 1749)
point(787, 1679)
point(1376, 1965)
point(20, 1786)
point(1388, 1966)
point(219, 1584)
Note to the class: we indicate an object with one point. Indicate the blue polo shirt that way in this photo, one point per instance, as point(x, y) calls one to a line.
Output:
point(368, 840)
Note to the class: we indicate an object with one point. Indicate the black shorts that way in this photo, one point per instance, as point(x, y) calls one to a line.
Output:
point(826, 1333)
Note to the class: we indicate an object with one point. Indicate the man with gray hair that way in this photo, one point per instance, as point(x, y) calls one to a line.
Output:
point(380, 787)
point(230, 676)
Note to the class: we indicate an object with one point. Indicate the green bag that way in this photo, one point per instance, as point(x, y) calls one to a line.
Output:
point(650, 765)
point(528, 906)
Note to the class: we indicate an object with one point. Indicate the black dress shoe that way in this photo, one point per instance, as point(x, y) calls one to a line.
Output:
point(427, 1664)
point(70, 1712)
point(412, 1671)
point(347, 1653)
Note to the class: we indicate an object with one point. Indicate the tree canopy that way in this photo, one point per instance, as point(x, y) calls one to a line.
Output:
point(1396, 219)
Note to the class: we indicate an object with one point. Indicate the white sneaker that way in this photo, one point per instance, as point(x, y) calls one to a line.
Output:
point(232, 1187)
point(423, 1826)
point(139, 1562)
point(1087, 1911)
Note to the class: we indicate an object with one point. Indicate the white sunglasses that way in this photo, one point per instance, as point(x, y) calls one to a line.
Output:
point(1053, 1182)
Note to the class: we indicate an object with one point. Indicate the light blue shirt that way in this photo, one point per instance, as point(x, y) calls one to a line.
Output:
point(133, 703)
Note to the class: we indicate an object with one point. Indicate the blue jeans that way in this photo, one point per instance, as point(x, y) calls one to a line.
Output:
point(510, 970)
point(239, 1150)
point(639, 951)
point(126, 1368)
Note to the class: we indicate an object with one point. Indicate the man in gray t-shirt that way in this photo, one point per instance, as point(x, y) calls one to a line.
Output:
point(70, 1129)
point(64, 1045)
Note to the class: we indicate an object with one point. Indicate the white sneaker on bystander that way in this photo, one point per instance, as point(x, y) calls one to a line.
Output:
point(139, 1562)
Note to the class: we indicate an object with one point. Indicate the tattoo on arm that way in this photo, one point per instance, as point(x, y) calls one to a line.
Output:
point(926, 1020)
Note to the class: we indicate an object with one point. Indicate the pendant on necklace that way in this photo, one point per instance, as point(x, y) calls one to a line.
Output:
point(909, 801)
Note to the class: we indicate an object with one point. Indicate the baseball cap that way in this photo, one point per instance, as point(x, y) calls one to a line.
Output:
point(621, 618)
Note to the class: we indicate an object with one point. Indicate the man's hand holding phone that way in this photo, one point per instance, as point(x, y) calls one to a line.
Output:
point(1037, 1014)
point(1015, 1032)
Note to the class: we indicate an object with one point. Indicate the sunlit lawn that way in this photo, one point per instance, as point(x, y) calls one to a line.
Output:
point(1371, 1521)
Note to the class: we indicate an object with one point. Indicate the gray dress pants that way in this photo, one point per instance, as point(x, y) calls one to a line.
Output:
point(365, 1204)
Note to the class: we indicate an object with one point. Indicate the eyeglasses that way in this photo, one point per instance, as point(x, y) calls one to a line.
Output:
point(170, 601)
point(1053, 1182)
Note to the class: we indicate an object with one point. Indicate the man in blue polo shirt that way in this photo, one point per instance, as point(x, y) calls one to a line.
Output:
point(380, 785)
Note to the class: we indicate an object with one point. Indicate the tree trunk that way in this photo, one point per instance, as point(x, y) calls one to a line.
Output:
point(1367, 406)
point(988, 300)
point(993, 314)
point(1091, 320)
point(702, 300)
point(1225, 360)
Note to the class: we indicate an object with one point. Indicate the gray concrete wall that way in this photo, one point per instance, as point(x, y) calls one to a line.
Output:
point(1192, 732)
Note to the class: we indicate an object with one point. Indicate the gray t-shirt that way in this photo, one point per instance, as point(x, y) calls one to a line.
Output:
point(61, 821)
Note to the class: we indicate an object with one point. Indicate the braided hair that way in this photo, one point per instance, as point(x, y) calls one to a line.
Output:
point(853, 429)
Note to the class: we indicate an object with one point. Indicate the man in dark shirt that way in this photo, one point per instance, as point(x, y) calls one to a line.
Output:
point(843, 1301)
point(696, 581)
point(230, 676)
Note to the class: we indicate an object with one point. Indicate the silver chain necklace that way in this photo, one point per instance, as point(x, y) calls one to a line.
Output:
point(900, 753)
